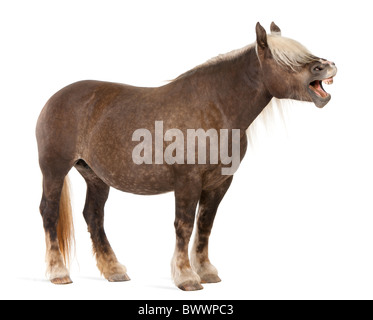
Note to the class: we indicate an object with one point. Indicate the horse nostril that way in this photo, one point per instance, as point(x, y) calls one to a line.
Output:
point(328, 62)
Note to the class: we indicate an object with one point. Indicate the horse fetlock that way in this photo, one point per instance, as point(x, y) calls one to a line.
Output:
point(117, 273)
point(185, 278)
point(114, 271)
point(210, 278)
point(206, 271)
point(56, 269)
point(58, 274)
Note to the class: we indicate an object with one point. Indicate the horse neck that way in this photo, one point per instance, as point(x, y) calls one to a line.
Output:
point(253, 96)
point(235, 86)
point(245, 95)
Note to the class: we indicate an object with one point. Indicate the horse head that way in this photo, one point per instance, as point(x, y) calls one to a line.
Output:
point(290, 71)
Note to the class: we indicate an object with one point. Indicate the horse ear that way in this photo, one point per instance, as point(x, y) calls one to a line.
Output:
point(261, 36)
point(275, 29)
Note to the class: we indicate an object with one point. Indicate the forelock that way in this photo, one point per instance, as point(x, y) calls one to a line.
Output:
point(289, 52)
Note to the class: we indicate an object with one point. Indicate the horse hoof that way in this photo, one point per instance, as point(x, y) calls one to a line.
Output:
point(210, 278)
point(63, 280)
point(190, 286)
point(119, 277)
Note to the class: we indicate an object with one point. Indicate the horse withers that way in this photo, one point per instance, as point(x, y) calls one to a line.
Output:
point(93, 126)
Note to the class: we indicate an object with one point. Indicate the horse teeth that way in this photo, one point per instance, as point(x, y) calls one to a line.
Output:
point(328, 81)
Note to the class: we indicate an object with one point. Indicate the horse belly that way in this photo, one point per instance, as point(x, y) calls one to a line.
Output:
point(138, 179)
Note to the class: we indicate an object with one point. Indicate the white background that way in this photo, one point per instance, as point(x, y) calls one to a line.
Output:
point(297, 222)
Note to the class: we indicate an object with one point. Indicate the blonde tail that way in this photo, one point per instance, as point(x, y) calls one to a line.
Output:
point(65, 227)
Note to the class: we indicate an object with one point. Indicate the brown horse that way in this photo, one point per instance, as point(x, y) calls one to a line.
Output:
point(91, 125)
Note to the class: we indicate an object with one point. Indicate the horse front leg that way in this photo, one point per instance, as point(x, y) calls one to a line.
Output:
point(187, 194)
point(208, 206)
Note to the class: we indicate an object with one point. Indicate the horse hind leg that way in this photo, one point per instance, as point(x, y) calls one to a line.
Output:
point(97, 194)
point(56, 213)
point(208, 206)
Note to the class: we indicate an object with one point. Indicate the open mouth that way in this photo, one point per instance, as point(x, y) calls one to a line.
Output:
point(318, 89)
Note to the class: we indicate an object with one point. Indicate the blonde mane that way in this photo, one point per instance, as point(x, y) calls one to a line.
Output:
point(220, 58)
point(285, 51)
point(289, 52)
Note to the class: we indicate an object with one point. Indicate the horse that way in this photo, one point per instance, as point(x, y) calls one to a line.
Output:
point(90, 125)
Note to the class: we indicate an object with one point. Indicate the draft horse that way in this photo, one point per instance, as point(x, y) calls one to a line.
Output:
point(89, 125)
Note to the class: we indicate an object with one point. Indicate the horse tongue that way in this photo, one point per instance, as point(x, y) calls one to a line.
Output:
point(318, 89)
